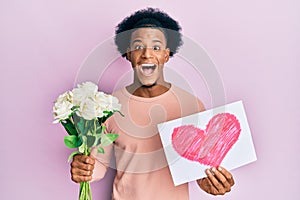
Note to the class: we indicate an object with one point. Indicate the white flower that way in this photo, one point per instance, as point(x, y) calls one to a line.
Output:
point(106, 103)
point(67, 96)
point(62, 108)
point(89, 103)
point(87, 109)
point(84, 91)
point(113, 103)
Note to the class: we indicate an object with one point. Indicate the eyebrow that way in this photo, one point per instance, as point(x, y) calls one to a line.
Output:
point(157, 41)
point(134, 41)
point(137, 40)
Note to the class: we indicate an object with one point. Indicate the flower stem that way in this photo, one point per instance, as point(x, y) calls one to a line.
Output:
point(85, 192)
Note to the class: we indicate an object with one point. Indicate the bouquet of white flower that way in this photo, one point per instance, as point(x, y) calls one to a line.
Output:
point(82, 112)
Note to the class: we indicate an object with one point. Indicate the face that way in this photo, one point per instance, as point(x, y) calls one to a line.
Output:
point(148, 54)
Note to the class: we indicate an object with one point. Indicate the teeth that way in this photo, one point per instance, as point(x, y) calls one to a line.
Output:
point(148, 68)
point(148, 65)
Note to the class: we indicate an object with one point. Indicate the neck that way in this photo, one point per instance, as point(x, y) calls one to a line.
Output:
point(148, 91)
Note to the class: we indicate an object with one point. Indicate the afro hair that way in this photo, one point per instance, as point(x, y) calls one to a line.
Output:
point(149, 17)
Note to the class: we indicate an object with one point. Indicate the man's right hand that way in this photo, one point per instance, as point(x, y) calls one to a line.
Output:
point(82, 168)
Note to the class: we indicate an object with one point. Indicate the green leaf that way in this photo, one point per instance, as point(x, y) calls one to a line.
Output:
point(69, 126)
point(98, 139)
point(107, 115)
point(103, 128)
point(72, 141)
point(119, 112)
point(75, 108)
point(90, 125)
point(97, 126)
point(107, 139)
point(79, 123)
point(100, 129)
point(100, 150)
point(90, 140)
point(72, 155)
point(81, 149)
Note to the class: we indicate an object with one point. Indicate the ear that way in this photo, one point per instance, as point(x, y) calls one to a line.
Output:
point(128, 54)
point(167, 54)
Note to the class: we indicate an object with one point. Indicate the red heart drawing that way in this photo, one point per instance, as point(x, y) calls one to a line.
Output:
point(209, 146)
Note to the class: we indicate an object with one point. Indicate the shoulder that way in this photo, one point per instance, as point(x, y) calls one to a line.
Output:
point(118, 92)
point(187, 97)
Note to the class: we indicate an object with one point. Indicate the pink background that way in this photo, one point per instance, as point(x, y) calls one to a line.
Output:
point(254, 45)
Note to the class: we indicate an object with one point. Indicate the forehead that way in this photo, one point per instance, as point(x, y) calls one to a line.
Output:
point(148, 34)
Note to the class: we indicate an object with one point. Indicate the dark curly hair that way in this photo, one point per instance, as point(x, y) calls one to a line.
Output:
point(149, 17)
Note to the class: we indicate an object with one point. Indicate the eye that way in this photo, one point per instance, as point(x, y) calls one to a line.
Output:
point(138, 47)
point(156, 48)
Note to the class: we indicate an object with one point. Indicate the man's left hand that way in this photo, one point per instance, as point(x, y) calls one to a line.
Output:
point(218, 181)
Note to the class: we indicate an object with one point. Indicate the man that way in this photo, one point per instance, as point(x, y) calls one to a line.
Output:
point(147, 39)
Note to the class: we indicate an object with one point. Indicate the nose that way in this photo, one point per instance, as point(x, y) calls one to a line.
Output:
point(147, 52)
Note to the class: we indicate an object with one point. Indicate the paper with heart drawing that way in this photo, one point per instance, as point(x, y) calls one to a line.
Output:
point(216, 137)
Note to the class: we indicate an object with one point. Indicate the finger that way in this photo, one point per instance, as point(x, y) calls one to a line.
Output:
point(80, 172)
point(79, 179)
point(81, 165)
point(227, 174)
point(84, 159)
point(215, 182)
point(208, 186)
point(222, 179)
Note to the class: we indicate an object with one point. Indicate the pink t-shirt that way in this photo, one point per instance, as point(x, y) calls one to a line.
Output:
point(142, 169)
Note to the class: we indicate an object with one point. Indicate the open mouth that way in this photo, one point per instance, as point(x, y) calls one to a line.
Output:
point(148, 69)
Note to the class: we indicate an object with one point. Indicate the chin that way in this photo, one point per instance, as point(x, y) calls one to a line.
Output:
point(148, 83)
